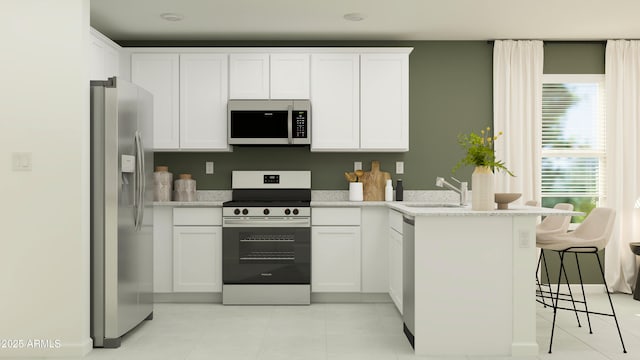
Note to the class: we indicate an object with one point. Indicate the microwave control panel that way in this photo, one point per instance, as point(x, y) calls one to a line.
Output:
point(300, 123)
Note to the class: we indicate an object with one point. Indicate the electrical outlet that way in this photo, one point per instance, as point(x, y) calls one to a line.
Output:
point(357, 165)
point(209, 167)
point(523, 236)
point(21, 161)
point(399, 167)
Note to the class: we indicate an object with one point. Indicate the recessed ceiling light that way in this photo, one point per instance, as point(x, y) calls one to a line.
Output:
point(354, 17)
point(171, 16)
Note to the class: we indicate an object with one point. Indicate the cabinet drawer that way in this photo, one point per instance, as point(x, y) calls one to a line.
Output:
point(395, 220)
point(335, 216)
point(197, 216)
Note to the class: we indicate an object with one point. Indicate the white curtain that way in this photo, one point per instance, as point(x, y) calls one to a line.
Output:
point(517, 112)
point(623, 153)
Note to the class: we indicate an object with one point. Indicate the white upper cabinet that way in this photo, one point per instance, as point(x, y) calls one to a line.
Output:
point(289, 76)
point(359, 96)
point(103, 57)
point(249, 76)
point(384, 102)
point(190, 93)
point(203, 101)
point(335, 102)
point(159, 74)
point(269, 76)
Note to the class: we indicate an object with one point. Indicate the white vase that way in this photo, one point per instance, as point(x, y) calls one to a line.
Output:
point(482, 186)
point(355, 191)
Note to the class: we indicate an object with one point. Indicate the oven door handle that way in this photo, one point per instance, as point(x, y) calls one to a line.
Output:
point(265, 223)
point(290, 123)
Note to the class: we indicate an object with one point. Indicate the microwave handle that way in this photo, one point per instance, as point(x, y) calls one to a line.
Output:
point(290, 123)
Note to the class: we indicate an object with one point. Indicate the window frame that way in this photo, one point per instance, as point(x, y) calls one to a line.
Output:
point(600, 154)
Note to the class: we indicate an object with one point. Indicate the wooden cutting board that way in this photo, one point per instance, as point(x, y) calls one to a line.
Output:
point(373, 182)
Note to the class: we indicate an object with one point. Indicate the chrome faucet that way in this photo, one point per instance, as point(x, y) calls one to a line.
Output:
point(462, 191)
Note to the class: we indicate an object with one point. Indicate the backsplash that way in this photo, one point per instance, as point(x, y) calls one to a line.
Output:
point(430, 196)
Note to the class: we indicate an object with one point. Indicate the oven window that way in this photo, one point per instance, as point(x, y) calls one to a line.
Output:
point(263, 255)
point(257, 248)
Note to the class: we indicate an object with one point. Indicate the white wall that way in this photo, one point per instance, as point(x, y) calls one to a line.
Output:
point(44, 213)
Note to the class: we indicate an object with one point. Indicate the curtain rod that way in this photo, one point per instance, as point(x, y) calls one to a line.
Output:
point(599, 42)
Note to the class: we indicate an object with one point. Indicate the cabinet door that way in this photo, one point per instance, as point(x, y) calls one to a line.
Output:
point(335, 98)
point(103, 59)
point(249, 76)
point(203, 101)
point(289, 76)
point(375, 259)
point(384, 102)
point(395, 268)
point(159, 74)
point(335, 259)
point(197, 258)
point(162, 249)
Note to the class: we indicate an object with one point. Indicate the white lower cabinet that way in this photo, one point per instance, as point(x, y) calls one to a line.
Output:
point(197, 258)
point(395, 258)
point(335, 259)
point(375, 267)
point(335, 250)
point(162, 249)
point(197, 250)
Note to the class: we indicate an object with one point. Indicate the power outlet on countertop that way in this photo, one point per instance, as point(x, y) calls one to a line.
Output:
point(399, 167)
point(208, 168)
point(357, 165)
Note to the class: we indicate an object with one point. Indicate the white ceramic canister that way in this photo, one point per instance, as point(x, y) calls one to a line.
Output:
point(162, 184)
point(184, 188)
point(355, 191)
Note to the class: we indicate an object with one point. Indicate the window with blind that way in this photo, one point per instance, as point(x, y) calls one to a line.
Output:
point(573, 141)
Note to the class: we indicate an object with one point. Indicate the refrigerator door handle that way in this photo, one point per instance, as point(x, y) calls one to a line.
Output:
point(137, 183)
point(143, 180)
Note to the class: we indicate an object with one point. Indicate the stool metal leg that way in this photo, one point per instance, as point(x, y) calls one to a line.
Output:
point(555, 304)
point(575, 310)
point(613, 311)
point(542, 295)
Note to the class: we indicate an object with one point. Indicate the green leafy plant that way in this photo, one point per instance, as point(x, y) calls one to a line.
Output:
point(479, 151)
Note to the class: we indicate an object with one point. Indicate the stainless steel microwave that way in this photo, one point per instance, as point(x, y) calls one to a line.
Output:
point(269, 122)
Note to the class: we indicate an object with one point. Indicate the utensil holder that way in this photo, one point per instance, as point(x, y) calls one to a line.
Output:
point(355, 191)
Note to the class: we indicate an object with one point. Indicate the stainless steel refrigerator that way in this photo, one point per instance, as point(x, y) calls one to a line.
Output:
point(121, 209)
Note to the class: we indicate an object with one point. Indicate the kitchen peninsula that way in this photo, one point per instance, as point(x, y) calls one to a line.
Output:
point(473, 280)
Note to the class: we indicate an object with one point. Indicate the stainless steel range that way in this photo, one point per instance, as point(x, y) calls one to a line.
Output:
point(266, 239)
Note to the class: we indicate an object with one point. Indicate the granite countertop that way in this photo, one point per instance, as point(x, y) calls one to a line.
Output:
point(198, 203)
point(448, 210)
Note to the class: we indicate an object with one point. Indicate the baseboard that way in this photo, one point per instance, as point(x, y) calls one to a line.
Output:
point(216, 298)
point(188, 298)
point(350, 298)
point(588, 288)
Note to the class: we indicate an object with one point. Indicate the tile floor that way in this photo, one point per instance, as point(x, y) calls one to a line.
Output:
point(345, 331)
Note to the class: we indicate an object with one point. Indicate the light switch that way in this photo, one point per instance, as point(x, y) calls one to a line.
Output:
point(399, 167)
point(209, 167)
point(357, 165)
point(21, 161)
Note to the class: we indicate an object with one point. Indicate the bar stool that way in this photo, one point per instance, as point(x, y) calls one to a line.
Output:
point(551, 225)
point(591, 236)
point(635, 248)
